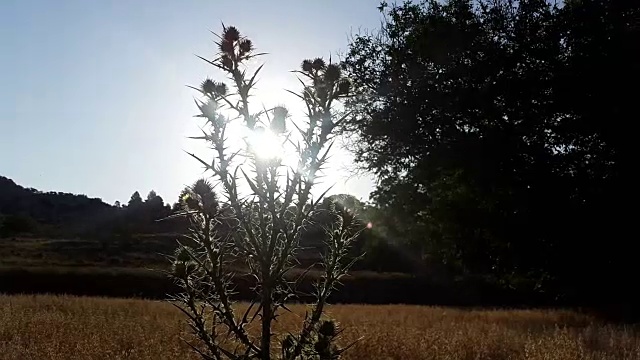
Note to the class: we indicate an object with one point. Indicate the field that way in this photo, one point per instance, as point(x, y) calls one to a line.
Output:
point(62, 327)
point(124, 268)
point(141, 251)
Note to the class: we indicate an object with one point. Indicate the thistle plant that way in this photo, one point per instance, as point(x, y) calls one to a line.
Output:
point(257, 225)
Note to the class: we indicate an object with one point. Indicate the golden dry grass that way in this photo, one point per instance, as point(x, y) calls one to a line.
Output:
point(59, 327)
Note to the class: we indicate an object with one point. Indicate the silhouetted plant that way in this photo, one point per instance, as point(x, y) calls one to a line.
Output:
point(266, 220)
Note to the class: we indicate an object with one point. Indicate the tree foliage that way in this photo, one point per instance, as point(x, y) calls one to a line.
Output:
point(135, 200)
point(496, 131)
point(65, 215)
point(49, 213)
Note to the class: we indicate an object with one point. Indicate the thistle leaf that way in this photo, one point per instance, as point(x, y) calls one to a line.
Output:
point(207, 166)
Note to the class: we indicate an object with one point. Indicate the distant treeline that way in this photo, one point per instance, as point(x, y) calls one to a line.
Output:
point(54, 215)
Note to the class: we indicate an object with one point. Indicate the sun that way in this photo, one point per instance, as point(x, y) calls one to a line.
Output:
point(266, 144)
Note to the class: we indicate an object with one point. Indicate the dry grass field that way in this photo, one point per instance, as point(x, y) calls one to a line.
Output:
point(59, 327)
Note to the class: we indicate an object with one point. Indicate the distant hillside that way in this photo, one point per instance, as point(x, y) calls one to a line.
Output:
point(57, 214)
point(54, 228)
point(51, 209)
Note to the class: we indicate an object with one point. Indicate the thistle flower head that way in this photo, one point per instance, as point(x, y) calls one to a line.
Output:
point(202, 187)
point(307, 65)
point(318, 64)
point(332, 73)
point(188, 201)
point(211, 87)
point(226, 46)
point(200, 197)
point(184, 269)
point(226, 62)
point(221, 89)
point(208, 86)
point(231, 34)
point(207, 198)
point(182, 254)
point(328, 328)
point(210, 108)
point(278, 123)
point(280, 112)
point(245, 46)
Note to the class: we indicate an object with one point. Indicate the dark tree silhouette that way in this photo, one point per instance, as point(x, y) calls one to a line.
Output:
point(56, 214)
point(154, 201)
point(151, 196)
point(136, 200)
point(495, 129)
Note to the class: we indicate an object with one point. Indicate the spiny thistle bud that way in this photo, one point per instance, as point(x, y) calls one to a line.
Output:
point(318, 64)
point(226, 46)
point(326, 350)
point(226, 61)
point(208, 86)
point(245, 46)
point(231, 34)
point(209, 109)
point(280, 112)
point(321, 346)
point(344, 86)
point(307, 65)
point(328, 328)
point(208, 199)
point(184, 269)
point(182, 254)
point(189, 202)
point(220, 89)
point(332, 74)
point(211, 87)
point(203, 188)
point(278, 124)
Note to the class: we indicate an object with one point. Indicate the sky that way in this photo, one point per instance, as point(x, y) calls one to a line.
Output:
point(93, 96)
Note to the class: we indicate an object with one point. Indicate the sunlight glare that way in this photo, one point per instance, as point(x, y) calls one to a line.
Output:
point(266, 144)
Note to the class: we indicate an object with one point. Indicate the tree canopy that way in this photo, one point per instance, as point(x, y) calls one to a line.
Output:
point(496, 132)
point(136, 199)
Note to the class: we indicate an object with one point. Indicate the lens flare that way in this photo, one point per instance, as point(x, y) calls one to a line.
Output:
point(266, 144)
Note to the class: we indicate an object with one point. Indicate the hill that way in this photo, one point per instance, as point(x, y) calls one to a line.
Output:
point(54, 213)
point(63, 215)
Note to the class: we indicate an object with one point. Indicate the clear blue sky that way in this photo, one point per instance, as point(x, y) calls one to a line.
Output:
point(93, 97)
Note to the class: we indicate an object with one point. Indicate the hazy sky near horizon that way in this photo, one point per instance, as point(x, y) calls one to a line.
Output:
point(93, 97)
